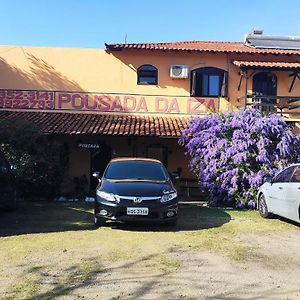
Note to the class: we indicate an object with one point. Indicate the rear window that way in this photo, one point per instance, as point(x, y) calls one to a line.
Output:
point(136, 170)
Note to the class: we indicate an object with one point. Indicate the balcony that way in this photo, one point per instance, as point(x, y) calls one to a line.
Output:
point(287, 106)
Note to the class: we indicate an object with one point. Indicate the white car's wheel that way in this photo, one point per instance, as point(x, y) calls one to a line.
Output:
point(263, 208)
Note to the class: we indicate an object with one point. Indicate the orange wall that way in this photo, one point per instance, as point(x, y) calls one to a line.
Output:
point(95, 70)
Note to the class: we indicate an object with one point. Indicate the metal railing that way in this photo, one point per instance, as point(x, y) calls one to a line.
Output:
point(285, 105)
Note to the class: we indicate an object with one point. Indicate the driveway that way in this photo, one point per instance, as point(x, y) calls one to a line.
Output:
point(53, 251)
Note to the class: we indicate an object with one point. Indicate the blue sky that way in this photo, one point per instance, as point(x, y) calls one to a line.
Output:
point(91, 23)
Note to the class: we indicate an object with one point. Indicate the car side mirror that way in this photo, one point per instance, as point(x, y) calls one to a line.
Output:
point(97, 175)
point(268, 179)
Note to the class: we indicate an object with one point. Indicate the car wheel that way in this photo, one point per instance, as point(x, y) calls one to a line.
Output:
point(263, 208)
point(171, 223)
point(98, 221)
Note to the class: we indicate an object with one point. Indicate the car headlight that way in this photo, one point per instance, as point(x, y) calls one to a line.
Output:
point(168, 197)
point(108, 196)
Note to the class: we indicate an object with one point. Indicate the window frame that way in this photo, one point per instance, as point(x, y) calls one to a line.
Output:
point(297, 168)
point(198, 75)
point(283, 171)
point(139, 75)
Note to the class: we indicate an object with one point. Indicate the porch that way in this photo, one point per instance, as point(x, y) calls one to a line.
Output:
point(271, 86)
point(287, 106)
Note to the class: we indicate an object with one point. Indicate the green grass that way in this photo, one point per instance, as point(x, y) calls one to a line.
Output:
point(164, 263)
point(53, 248)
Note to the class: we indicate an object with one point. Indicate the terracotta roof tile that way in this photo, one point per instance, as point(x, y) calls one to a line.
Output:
point(267, 64)
point(201, 46)
point(105, 124)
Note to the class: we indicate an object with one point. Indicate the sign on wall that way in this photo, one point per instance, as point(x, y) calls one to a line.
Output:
point(44, 100)
point(88, 146)
point(99, 102)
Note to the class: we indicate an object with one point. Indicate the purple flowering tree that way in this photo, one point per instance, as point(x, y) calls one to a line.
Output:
point(232, 152)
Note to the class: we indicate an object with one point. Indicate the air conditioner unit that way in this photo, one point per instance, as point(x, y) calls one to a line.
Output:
point(179, 71)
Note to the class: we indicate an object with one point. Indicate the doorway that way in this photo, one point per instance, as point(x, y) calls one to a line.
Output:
point(99, 159)
point(159, 152)
point(265, 84)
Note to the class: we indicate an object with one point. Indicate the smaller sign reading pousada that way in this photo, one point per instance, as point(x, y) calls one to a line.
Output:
point(88, 146)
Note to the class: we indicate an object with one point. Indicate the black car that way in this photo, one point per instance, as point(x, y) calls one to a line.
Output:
point(135, 189)
point(7, 185)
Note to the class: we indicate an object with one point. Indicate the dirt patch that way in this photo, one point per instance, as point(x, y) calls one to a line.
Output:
point(202, 275)
point(278, 252)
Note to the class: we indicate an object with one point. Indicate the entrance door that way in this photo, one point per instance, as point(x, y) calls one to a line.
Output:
point(265, 84)
point(99, 160)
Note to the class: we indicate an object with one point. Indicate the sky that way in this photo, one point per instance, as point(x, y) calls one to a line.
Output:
point(92, 23)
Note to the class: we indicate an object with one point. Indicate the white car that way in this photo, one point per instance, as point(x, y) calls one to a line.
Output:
point(281, 195)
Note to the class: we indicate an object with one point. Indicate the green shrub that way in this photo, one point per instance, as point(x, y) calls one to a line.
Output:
point(35, 158)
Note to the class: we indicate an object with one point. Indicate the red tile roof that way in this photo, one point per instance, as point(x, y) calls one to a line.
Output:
point(201, 46)
point(104, 124)
point(267, 64)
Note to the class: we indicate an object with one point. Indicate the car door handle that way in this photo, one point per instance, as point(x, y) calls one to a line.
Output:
point(280, 187)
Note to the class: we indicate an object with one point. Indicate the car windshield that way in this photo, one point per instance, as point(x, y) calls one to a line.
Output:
point(136, 170)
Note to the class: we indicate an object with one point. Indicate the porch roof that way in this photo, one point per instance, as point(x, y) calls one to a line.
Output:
point(263, 65)
point(102, 124)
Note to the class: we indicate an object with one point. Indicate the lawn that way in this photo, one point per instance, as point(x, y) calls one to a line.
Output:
point(53, 250)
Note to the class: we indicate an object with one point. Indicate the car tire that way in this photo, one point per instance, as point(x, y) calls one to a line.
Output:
point(171, 223)
point(263, 208)
point(98, 221)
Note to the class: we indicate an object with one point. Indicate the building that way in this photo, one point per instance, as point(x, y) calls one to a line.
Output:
point(135, 99)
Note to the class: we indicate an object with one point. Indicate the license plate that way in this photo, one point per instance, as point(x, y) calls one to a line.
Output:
point(138, 211)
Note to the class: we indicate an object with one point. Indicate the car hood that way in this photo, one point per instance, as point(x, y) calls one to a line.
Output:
point(136, 188)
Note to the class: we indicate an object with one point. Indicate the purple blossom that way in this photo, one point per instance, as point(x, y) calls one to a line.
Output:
point(240, 204)
point(251, 203)
point(232, 152)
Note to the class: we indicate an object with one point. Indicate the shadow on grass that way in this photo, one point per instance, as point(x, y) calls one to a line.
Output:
point(42, 217)
point(39, 217)
point(285, 220)
point(191, 216)
point(74, 277)
point(91, 279)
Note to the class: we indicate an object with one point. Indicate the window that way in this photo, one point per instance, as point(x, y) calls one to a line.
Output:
point(296, 175)
point(265, 85)
point(137, 170)
point(209, 82)
point(147, 74)
point(285, 175)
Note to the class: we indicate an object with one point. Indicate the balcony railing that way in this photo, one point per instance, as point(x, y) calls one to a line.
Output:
point(285, 105)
